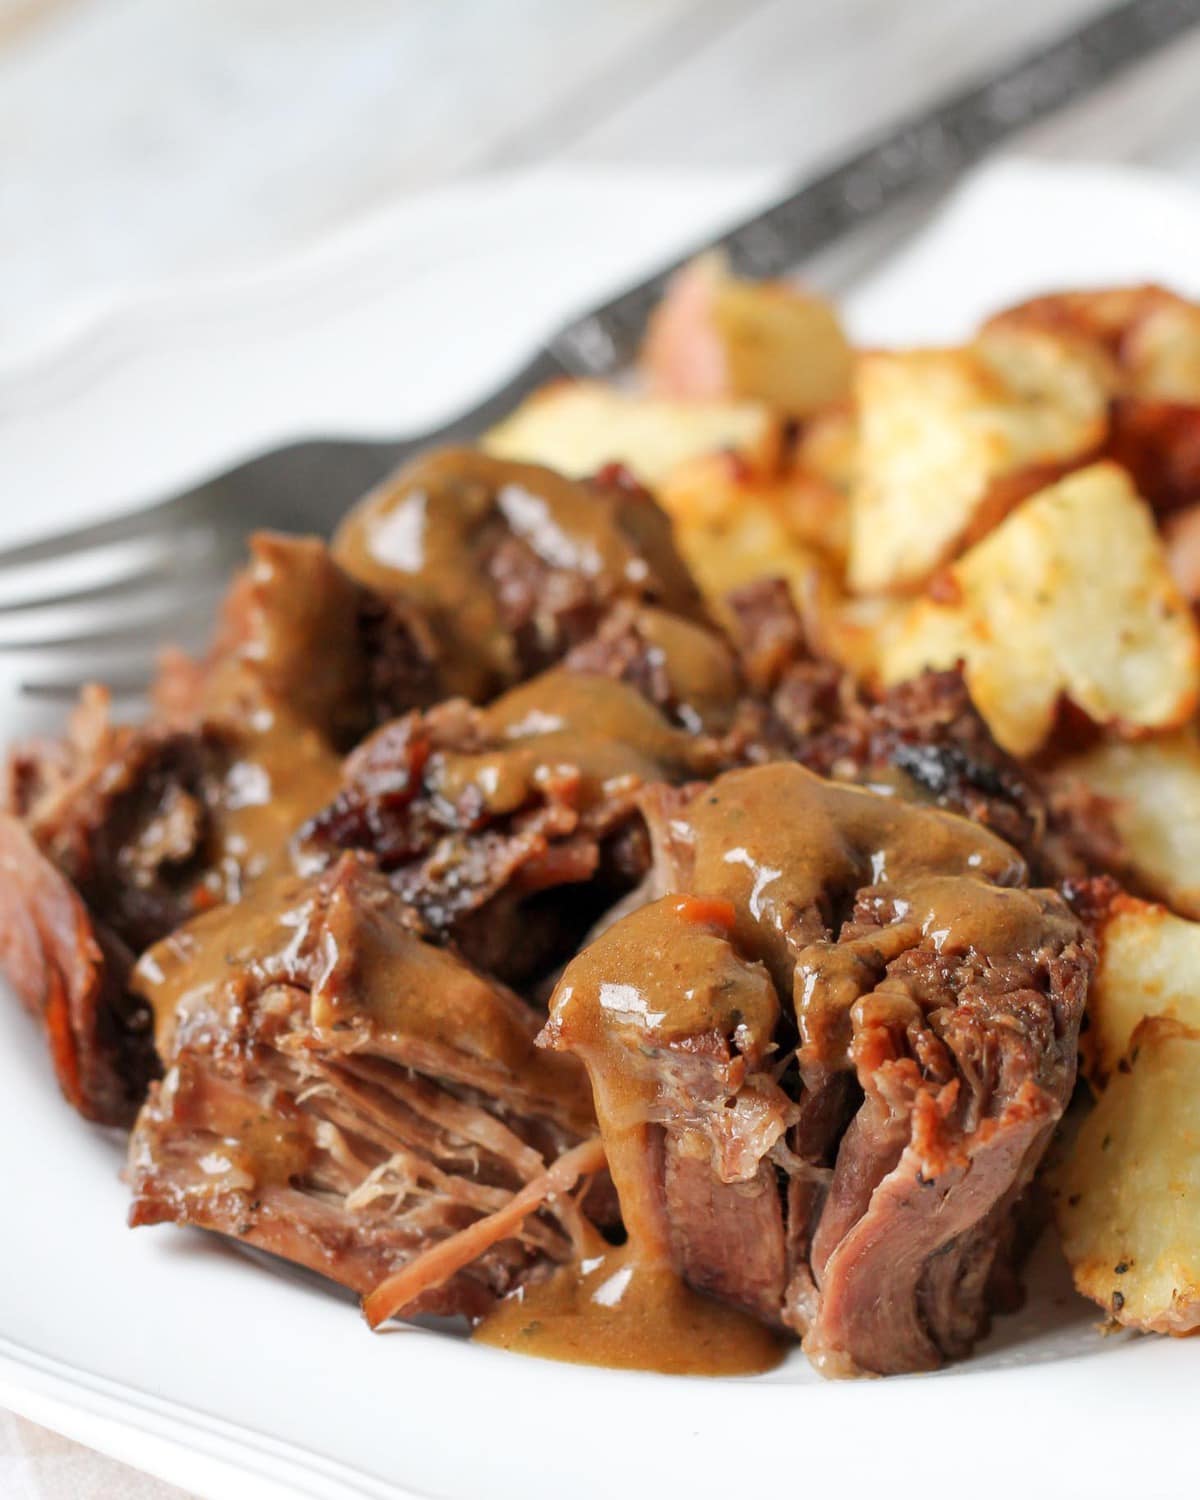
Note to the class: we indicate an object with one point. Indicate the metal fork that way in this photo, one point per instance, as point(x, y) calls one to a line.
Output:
point(94, 604)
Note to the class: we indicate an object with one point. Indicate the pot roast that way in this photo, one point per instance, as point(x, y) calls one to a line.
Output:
point(477, 872)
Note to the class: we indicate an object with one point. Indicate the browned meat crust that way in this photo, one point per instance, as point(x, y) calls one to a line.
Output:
point(127, 814)
point(105, 837)
point(923, 738)
point(71, 975)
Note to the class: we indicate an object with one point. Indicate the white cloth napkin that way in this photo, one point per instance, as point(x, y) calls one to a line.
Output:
point(407, 318)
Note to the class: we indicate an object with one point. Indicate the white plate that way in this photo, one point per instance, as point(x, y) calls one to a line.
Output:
point(170, 1349)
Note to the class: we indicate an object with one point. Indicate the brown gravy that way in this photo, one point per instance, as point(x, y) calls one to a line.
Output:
point(781, 844)
point(699, 665)
point(619, 1310)
point(593, 730)
point(340, 939)
point(666, 971)
point(427, 533)
point(283, 772)
point(772, 849)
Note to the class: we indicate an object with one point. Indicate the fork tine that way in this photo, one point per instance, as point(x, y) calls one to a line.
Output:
point(122, 528)
point(110, 572)
point(125, 662)
point(128, 688)
point(162, 611)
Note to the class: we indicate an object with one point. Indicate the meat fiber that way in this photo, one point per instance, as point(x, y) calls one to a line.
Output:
point(344, 1095)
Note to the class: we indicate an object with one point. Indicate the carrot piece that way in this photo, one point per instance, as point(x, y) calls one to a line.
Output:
point(705, 911)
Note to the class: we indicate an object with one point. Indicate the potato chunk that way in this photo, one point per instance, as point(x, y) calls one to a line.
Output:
point(1070, 596)
point(715, 335)
point(1127, 1198)
point(735, 524)
point(950, 439)
point(1153, 788)
point(1149, 966)
point(1153, 333)
point(577, 427)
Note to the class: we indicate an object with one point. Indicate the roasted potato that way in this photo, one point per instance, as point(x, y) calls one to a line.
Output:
point(733, 525)
point(1151, 334)
point(1162, 351)
point(949, 440)
point(577, 427)
point(1153, 790)
point(1127, 1197)
point(1152, 339)
point(1070, 596)
point(1182, 534)
point(827, 447)
point(715, 335)
point(1149, 966)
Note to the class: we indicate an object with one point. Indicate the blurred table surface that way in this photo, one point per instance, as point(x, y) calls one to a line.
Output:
point(142, 143)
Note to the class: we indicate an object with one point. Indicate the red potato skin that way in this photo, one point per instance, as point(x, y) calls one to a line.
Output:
point(683, 355)
point(1182, 534)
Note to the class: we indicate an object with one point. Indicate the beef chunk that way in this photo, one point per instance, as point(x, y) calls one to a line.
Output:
point(462, 575)
point(127, 815)
point(924, 739)
point(842, 1052)
point(677, 1031)
point(105, 837)
point(343, 1094)
point(511, 564)
point(509, 828)
point(70, 971)
point(298, 634)
point(119, 833)
point(688, 670)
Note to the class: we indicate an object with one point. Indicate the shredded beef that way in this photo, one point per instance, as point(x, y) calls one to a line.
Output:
point(548, 747)
point(344, 1095)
